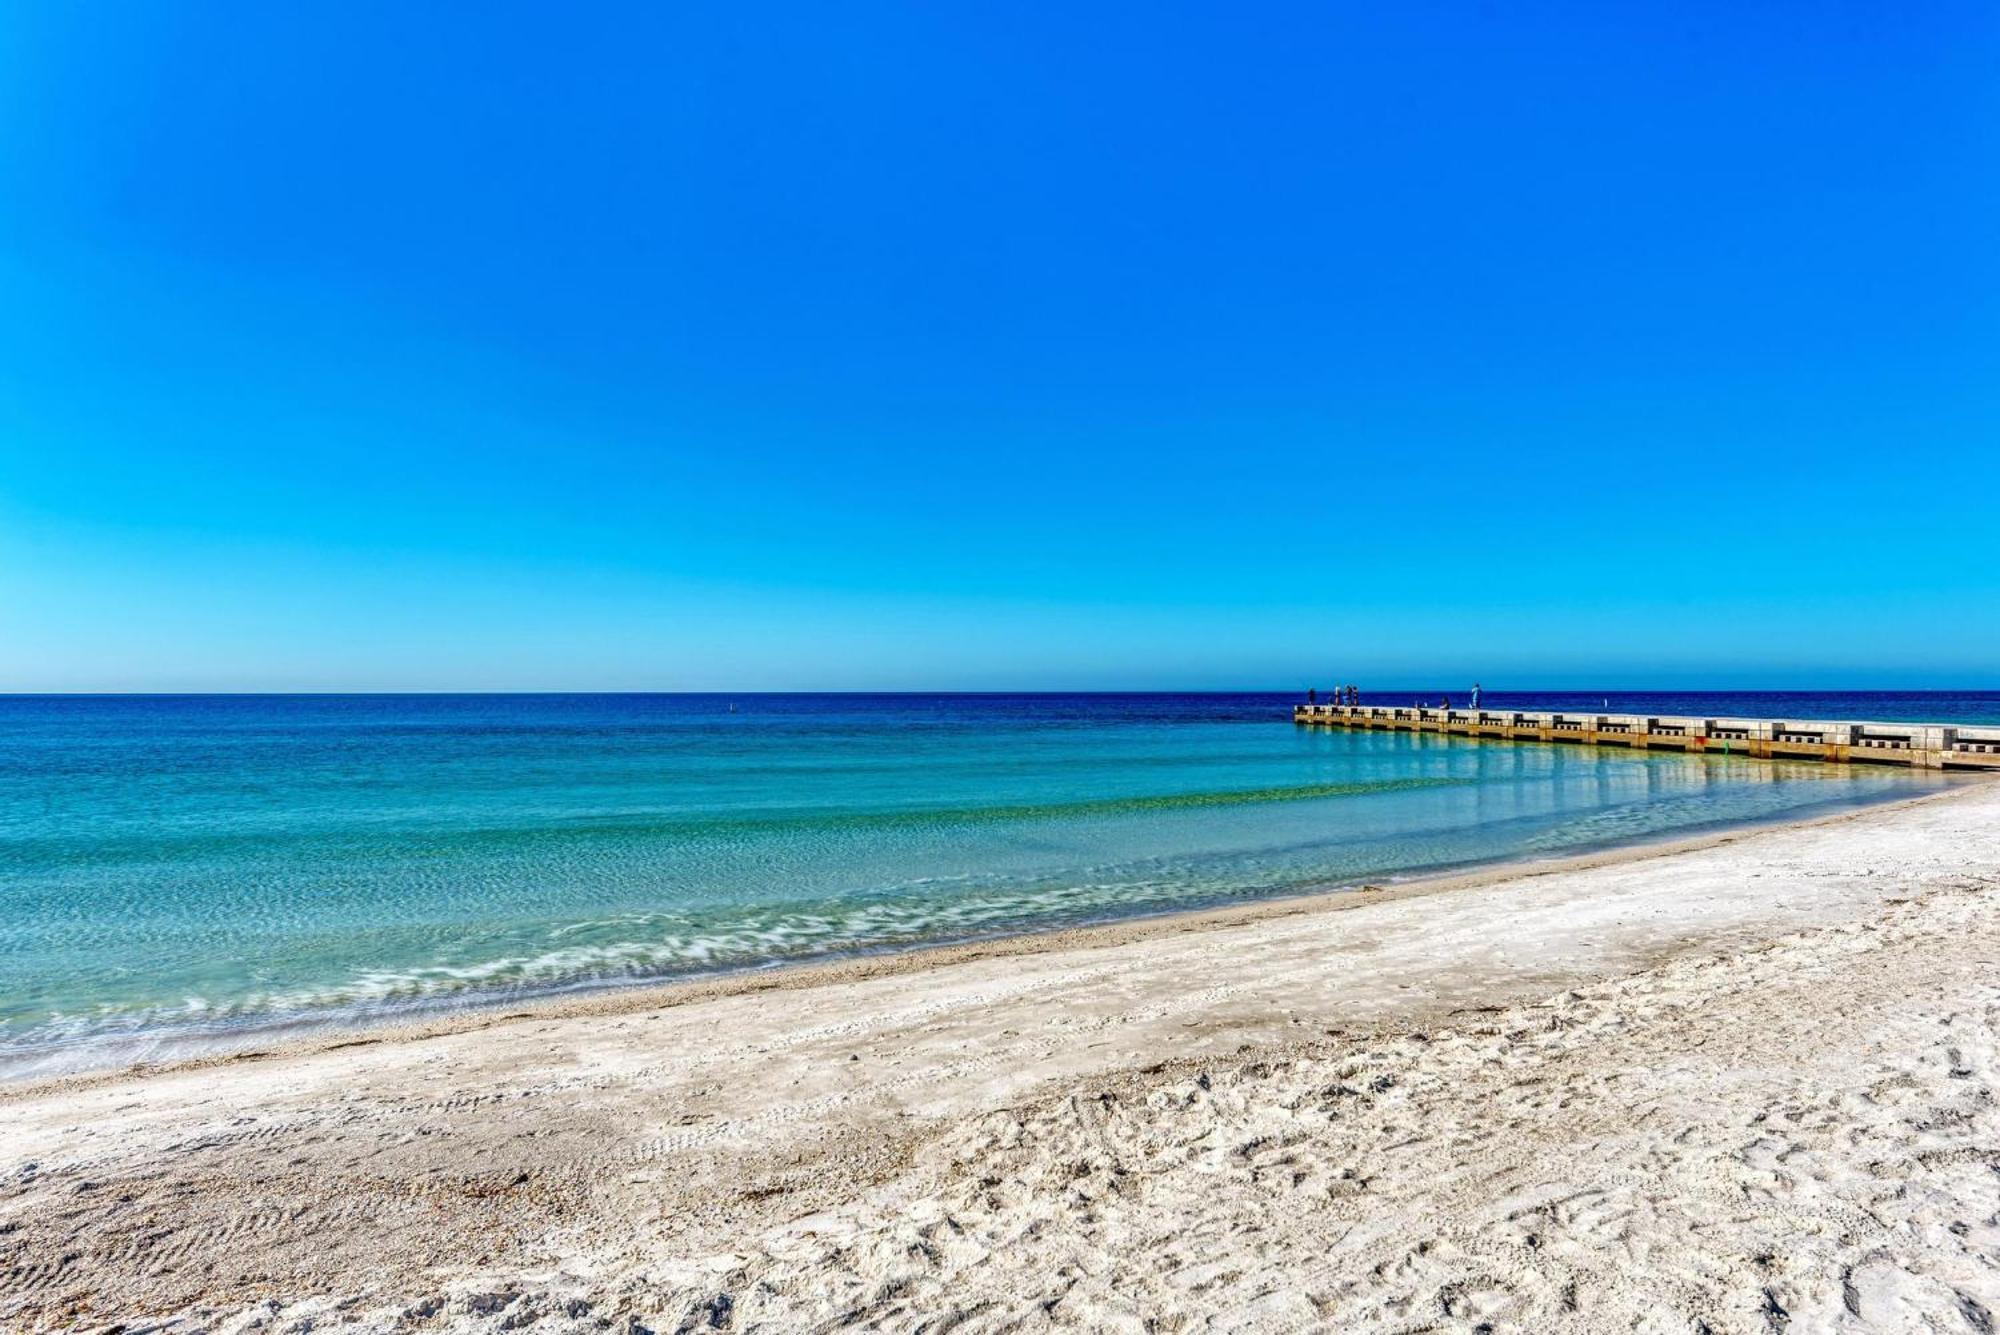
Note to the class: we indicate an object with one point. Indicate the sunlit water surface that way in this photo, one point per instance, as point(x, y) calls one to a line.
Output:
point(181, 872)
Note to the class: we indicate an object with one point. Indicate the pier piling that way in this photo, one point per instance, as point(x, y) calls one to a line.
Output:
point(1922, 745)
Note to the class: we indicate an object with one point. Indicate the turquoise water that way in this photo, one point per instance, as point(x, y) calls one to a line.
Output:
point(179, 872)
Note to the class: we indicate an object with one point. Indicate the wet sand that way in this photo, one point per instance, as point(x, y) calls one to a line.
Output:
point(1666, 1087)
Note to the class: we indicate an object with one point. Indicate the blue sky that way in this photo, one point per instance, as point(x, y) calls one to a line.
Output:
point(807, 346)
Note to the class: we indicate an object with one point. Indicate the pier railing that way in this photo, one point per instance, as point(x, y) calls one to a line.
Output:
point(1925, 745)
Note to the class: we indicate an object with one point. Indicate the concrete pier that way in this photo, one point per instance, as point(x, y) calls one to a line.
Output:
point(1924, 745)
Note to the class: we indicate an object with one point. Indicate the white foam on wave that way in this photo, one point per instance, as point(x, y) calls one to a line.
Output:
point(649, 947)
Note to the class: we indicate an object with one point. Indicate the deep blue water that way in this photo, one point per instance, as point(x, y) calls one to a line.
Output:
point(181, 871)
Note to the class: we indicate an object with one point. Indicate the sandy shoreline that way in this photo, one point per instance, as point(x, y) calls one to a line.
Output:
point(624, 998)
point(1696, 1083)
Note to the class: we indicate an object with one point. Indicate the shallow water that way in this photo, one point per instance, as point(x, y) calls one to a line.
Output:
point(175, 872)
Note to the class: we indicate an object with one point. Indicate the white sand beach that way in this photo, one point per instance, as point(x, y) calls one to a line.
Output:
point(1745, 1083)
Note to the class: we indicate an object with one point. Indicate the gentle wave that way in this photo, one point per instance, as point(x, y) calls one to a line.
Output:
point(631, 948)
point(167, 846)
point(996, 813)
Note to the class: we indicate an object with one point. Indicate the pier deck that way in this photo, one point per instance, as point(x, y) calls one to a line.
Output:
point(1923, 745)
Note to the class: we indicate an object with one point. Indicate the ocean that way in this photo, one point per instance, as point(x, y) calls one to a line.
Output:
point(182, 874)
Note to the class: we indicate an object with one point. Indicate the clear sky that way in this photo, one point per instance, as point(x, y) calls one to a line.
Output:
point(762, 346)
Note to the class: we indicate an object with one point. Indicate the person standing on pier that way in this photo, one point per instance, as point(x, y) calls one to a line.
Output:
point(1475, 695)
point(1312, 695)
